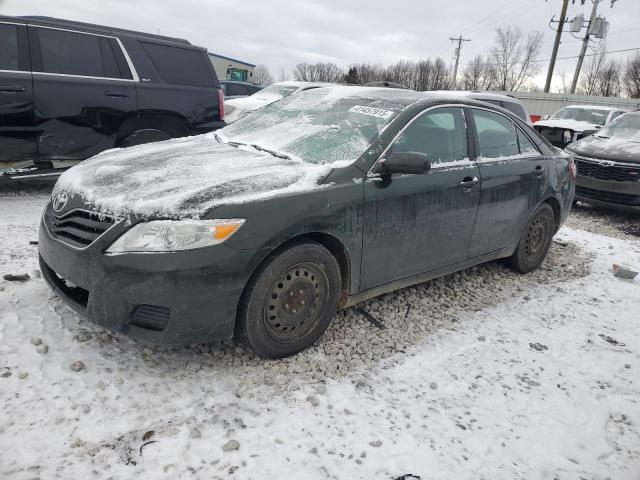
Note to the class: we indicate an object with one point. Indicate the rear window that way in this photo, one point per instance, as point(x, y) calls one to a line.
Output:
point(515, 108)
point(76, 54)
point(180, 66)
point(9, 50)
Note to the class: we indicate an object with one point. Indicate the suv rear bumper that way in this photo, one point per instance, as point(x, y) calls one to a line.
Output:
point(609, 193)
point(178, 298)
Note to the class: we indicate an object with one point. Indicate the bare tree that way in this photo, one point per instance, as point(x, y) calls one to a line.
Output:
point(631, 77)
point(514, 57)
point(608, 81)
point(479, 75)
point(318, 72)
point(368, 72)
point(565, 86)
point(261, 75)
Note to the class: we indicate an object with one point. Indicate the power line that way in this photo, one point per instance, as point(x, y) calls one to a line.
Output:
point(562, 58)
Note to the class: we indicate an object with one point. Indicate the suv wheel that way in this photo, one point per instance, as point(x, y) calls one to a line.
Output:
point(290, 301)
point(535, 240)
point(147, 135)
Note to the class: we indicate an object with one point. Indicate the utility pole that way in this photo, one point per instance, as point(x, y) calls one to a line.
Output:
point(556, 45)
point(585, 44)
point(455, 69)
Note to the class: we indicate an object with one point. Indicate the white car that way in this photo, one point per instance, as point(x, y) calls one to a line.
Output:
point(239, 107)
point(575, 122)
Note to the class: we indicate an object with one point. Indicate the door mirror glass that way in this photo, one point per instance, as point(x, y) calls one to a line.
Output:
point(404, 162)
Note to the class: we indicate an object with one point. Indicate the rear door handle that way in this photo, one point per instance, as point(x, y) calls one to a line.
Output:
point(539, 171)
point(11, 88)
point(113, 94)
point(467, 183)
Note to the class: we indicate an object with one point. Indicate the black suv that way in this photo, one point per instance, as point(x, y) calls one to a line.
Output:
point(70, 90)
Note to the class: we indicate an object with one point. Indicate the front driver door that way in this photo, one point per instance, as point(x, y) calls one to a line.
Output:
point(418, 223)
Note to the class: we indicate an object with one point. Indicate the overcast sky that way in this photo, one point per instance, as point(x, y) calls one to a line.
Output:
point(282, 33)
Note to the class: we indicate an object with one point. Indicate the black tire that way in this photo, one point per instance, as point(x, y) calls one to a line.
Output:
point(535, 240)
point(290, 301)
point(147, 135)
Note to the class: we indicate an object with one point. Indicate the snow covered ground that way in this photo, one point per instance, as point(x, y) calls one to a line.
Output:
point(486, 374)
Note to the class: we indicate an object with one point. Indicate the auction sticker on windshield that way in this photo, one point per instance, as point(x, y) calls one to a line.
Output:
point(371, 111)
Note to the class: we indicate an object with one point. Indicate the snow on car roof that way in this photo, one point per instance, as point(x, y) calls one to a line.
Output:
point(596, 107)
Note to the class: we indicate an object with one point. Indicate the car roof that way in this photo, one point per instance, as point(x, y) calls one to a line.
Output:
point(477, 95)
point(74, 25)
point(240, 82)
point(597, 107)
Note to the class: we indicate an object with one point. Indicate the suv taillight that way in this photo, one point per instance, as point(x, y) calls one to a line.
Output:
point(221, 103)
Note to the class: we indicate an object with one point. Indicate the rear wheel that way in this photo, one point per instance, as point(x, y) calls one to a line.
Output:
point(535, 240)
point(147, 135)
point(290, 301)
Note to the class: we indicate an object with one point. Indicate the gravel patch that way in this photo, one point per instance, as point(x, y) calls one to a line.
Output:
point(604, 221)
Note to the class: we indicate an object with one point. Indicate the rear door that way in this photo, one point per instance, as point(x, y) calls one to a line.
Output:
point(17, 137)
point(512, 172)
point(83, 91)
point(417, 223)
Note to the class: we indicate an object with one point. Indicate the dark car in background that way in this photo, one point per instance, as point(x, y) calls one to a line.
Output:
point(236, 89)
point(293, 211)
point(608, 164)
point(69, 90)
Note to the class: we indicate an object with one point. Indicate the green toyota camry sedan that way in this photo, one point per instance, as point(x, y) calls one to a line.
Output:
point(262, 230)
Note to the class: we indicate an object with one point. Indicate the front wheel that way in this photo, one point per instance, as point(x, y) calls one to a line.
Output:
point(290, 301)
point(535, 240)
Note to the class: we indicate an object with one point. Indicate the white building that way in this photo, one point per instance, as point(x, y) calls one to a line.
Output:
point(228, 68)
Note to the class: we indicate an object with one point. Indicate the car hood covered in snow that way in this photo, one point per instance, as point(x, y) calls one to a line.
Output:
point(615, 149)
point(574, 125)
point(184, 177)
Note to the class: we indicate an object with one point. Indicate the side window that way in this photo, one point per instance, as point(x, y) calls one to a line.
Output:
point(615, 115)
point(527, 148)
point(439, 133)
point(496, 135)
point(181, 66)
point(76, 54)
point(9, 49)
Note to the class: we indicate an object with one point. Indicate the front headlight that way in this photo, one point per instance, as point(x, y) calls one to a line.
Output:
point(568, 136)
point(173, 235)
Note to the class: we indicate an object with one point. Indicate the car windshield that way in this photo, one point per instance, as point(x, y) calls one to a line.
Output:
point(322, 125)
point(625, 127)
point(589, 115)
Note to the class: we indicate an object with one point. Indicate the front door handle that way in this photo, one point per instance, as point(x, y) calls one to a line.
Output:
point(467, 183)
point(11, 88)
point(113, 94)
point(539, 171)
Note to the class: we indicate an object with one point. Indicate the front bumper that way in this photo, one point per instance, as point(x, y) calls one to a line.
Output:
point(171, 298)
point(609, 193)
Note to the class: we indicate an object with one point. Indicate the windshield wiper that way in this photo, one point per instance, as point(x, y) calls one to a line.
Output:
point(272, 152)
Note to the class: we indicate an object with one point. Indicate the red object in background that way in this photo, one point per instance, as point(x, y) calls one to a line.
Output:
point(535, 118)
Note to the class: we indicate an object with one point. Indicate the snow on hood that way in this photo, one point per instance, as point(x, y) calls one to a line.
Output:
point(185, 177)
point(574, 125)
point(616, 149)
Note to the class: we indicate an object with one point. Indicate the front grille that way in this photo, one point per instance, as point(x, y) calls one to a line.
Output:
point(78, 228)
point(554, 135)
point(612, 197)
point(150, 317)
point(591, 169)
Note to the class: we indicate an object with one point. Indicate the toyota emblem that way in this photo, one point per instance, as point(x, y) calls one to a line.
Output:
point(60, 201)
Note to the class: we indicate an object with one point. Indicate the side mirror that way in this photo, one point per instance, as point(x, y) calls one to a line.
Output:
point(404, 162)
point(546, 117)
